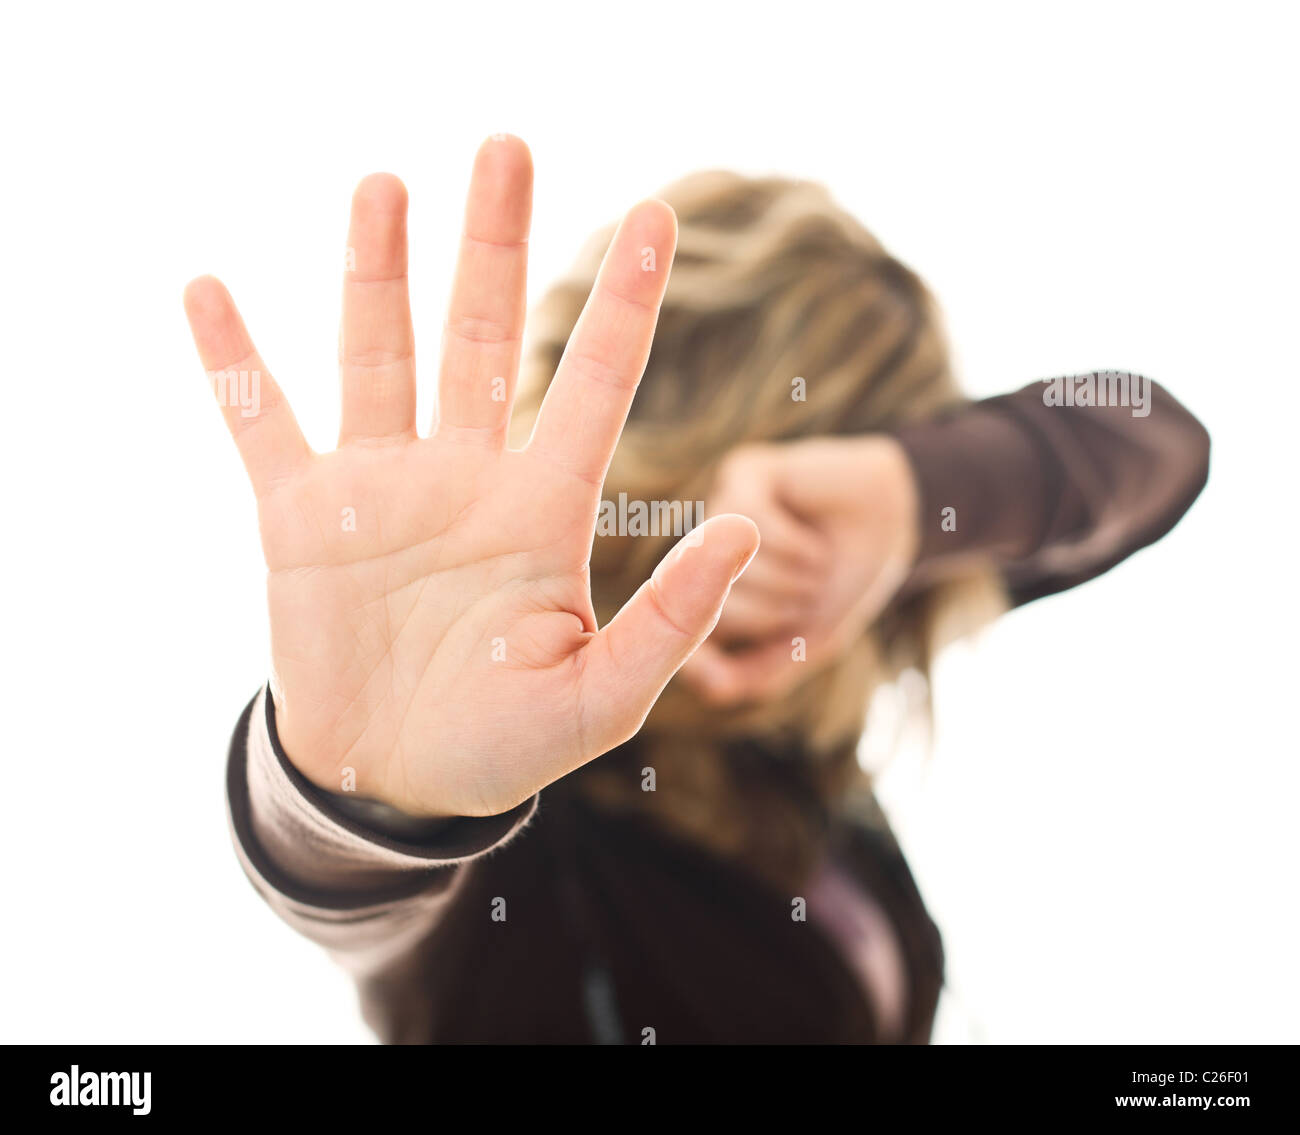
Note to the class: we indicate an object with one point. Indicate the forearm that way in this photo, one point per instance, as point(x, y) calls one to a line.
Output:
point(362, 891)
point(1050, 495)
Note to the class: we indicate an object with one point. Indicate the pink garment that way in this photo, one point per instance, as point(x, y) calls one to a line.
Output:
point(859, 926)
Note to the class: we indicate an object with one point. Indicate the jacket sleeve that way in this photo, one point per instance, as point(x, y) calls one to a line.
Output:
point(366, 894)
point(1053, 495)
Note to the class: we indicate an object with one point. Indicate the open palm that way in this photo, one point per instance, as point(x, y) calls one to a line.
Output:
point(432, 631)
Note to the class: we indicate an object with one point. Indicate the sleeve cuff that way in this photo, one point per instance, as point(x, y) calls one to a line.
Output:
point(983, 487)
point(296, 840)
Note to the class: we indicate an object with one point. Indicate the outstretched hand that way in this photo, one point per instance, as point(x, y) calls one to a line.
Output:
point(432, 631)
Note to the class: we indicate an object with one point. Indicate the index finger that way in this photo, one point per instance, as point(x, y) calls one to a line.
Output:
point(582, 415)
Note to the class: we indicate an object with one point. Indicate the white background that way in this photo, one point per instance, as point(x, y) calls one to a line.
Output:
point(1107, 830)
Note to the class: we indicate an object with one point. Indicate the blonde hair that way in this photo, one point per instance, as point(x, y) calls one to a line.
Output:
point(772, 281)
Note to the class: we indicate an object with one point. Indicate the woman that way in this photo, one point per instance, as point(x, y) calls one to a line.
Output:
point(722, 873)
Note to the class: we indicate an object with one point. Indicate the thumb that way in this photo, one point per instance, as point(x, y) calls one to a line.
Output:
point(644, 645)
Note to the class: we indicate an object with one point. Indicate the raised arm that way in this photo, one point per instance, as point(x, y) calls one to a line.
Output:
point(434, 647)
point(1049, 495)
point(1052, 494)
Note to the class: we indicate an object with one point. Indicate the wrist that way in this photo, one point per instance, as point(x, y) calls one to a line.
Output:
point(343, 785)
point(887, 466)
